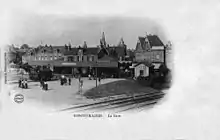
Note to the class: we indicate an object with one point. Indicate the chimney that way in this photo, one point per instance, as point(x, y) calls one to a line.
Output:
point(66, 47)
point(69, 46)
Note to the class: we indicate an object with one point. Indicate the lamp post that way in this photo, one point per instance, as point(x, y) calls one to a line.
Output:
point(5, 68)
point(96, 83)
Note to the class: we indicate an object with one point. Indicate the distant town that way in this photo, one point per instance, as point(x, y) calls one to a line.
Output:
point(115, 60)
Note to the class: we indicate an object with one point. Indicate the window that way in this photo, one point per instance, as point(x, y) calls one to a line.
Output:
point(77, 58)
point(85, 58)
point(74, 58)
point(51, 57)
point(120, 58)
point(141, 72)
point(42, 58)
point(91, 58)
point(80, 52)
point(70, 58)
point(55, 57)
point(82, 58)
point(45, 57)
point(157, 57)
point(66, 58)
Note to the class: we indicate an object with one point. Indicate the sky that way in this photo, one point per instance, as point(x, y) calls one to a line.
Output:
point(32, 28)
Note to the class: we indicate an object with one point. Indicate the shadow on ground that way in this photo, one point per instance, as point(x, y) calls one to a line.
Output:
point(128, 87)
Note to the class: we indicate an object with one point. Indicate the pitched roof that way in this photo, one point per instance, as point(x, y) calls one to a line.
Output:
point(58, 47)
point(119, 50)
point(142, 40)
point(107, 58)
point(138, 46)
point(141, 45)
point(93, 51)
point(87, 51)
point(154, 40)
point(121, 43)
point(73, 51)
point(145, 63)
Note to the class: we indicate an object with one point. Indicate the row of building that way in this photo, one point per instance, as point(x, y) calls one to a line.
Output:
point(114, 59)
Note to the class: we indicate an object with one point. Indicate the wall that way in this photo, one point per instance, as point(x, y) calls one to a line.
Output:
point(152, 56)
point(141, 67)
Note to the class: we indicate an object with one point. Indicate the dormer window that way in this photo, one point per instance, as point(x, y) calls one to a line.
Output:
point(66, 58)
point(80, 52)
point(91, 58)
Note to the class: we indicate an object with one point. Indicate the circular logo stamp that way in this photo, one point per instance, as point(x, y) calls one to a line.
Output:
point(19, 98)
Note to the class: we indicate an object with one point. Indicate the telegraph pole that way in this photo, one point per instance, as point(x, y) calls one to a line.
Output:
point(96, 74)
point(5, 68)
point(165, 47)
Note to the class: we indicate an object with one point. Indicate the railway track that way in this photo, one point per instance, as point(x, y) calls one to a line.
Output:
point(119, 104)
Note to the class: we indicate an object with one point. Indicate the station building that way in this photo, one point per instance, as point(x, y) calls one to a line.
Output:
point(149, 50)
point(81, 59)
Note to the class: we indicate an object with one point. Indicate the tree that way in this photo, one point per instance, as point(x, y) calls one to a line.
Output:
point(26, 67)
point(24, 46)
point(163, 71)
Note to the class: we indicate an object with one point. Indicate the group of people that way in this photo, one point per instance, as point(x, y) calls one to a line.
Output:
point(67, 81)
point(22, 83)
point(63, 80)
point(43, 84)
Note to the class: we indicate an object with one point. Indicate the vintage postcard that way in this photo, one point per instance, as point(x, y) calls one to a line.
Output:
point(89, 64)
point(106, 70)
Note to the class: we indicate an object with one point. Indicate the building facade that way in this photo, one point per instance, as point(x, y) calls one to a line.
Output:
point(81, 59)
point(141, 70)
point(150, 49)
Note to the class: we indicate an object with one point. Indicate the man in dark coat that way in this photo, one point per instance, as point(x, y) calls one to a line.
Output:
point(19, 83)
point(22, 83)
point(45, 86)
point(25, 84)
point(99, 80)
point(69, 79)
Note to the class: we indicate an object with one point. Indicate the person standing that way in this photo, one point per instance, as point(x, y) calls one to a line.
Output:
point(69, 81)
point(26, 84)
point(19, 83)
point(45, 86)
point(79, 78)
point(22, 83)
point(99, 80)
point(89, 77)
point(61, 80)
point(41, 82)
point(81, 86)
